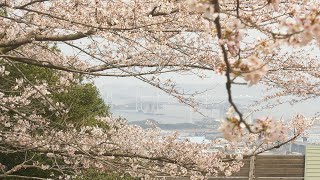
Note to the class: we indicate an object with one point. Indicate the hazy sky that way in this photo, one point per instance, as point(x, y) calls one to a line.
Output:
point(124, 90)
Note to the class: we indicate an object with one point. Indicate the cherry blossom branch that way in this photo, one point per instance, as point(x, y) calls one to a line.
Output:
point(35, 37)
point(31, 3)
point(154, 12)
point(228, 67)
point(91, 26)
point(94, 70)
point(277, 146)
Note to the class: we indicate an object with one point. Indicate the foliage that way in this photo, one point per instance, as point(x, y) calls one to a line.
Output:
point(92, 174)
point(12, 159)
point(84, 104)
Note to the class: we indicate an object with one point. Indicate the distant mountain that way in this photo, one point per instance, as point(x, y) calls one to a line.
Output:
point(151, 123)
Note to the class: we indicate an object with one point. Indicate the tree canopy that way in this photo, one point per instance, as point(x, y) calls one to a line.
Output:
point(82, 99)
point(52, 45)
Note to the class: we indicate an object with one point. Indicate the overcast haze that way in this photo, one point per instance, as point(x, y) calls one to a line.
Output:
point(125, 90)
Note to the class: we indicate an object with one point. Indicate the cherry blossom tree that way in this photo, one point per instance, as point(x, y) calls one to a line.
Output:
point(247, 41)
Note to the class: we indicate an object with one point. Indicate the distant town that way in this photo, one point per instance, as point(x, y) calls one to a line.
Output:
point(200, 125)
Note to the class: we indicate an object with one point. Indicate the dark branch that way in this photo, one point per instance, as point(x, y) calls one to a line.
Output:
point(30, 3)
point(34, 37)
point(228, 66)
